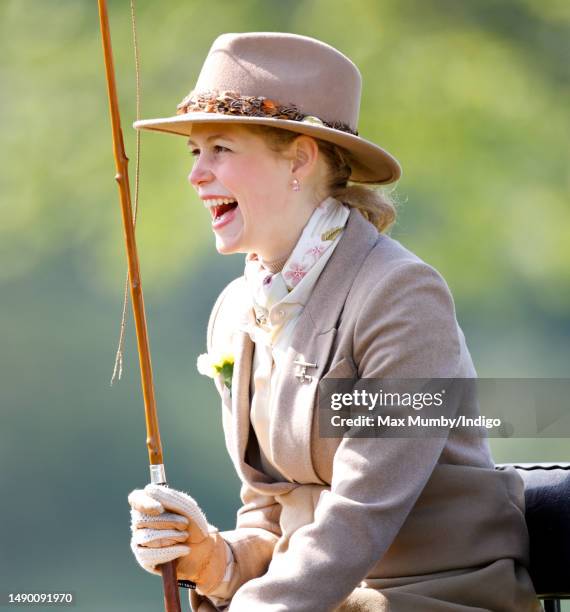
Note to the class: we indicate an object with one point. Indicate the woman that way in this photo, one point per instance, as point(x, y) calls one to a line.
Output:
point(327, 523)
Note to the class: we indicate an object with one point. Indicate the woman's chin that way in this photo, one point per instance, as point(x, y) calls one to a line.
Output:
point(229, 236)
point(227, 247)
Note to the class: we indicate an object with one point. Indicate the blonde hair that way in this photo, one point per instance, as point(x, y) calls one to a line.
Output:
point(373, 202)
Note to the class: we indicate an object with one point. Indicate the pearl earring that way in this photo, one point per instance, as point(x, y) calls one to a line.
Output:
point(296, 185)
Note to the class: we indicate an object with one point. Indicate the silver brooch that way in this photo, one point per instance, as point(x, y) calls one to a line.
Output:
point(301, 373)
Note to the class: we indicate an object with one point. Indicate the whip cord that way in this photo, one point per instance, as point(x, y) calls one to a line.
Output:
point(118, 368)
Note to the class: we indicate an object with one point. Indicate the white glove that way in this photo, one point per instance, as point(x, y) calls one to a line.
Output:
point(159, 536)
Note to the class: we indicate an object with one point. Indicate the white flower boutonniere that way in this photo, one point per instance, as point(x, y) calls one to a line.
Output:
point(217, 365)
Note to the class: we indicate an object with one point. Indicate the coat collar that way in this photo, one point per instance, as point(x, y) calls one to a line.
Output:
point(292, 403)
point(335, 282)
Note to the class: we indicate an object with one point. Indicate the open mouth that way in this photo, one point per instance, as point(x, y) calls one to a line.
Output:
point(219, 211)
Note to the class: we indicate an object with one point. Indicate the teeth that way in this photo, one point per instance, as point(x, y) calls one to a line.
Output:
point(218, 202)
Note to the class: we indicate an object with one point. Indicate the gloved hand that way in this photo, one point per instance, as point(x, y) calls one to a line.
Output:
point(167, 524)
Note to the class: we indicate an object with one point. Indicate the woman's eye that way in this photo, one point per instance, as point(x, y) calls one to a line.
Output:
point(216, 149)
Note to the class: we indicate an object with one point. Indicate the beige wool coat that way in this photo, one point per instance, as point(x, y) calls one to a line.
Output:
point(366, 524)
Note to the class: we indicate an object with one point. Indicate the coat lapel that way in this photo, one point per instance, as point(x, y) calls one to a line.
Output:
point(240, 401)
point(294, 402)
point(292, 406)
point(243, 352)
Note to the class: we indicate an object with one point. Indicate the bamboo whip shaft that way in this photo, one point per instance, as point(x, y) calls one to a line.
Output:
point(154, 447)
point(122, 178)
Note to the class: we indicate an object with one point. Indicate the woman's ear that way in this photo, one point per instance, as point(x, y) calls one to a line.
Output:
point(304, 156)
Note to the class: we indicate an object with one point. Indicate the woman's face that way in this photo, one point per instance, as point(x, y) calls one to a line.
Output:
point(234, 165)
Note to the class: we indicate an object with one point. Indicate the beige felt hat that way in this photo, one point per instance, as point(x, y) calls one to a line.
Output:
point(286, 81)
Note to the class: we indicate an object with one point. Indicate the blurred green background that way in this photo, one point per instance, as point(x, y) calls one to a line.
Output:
point(470, 95)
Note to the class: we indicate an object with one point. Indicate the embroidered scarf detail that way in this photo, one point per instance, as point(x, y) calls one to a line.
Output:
point(325, 225)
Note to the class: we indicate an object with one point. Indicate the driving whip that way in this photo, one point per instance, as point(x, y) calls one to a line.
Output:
point(157, 474)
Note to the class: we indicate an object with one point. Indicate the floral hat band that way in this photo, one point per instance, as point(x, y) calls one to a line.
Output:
point(286, 81)
point(232, 103)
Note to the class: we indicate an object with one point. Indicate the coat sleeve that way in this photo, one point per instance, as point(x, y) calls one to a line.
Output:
point(251, 543)
point(406, 328)
point(254, 538)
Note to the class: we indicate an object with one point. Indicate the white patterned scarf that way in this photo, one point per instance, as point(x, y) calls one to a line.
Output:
point(323, 229)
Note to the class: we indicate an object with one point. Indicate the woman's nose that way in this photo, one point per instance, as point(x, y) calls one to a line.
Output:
point(200, 172)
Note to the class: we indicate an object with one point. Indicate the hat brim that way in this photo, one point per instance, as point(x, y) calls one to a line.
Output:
point(369, 162)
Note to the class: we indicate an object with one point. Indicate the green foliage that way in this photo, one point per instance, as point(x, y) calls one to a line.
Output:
point(470, 96)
